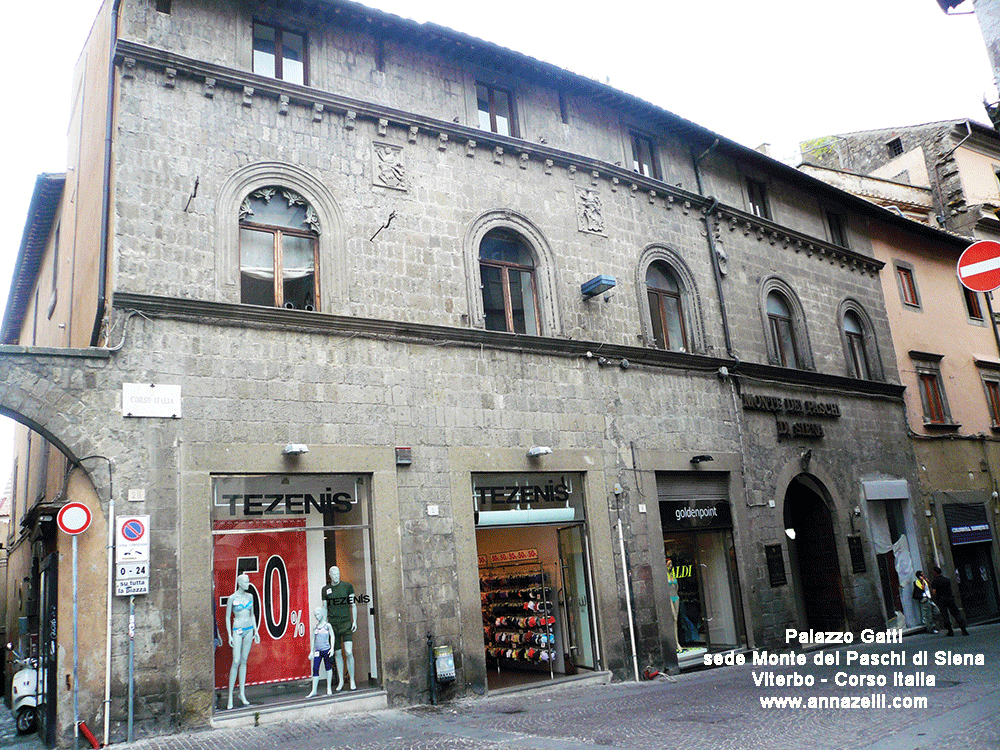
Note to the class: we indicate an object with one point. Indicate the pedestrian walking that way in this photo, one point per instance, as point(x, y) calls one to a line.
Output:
point(922, 596)
point(945, 599)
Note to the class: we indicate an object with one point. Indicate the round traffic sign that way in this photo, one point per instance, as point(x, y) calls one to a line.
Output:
point(133, 530)
point(979, 266)
point(74, 518)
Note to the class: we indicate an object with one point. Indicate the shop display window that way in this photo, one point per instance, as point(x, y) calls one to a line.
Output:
point(701, 579)
point(534, 577)
point(275, 540)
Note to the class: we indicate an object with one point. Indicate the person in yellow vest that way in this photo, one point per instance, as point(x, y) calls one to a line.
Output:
point(922, 598)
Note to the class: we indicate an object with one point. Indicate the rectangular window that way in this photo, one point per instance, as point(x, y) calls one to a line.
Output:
point(993, 399)
point(930, 395)
point(496, 110)
point(775, 565)
point(835, 223)
point(907, 286)
point(278, 53)
point(894, 147)
point(783, 336)
point(857, 551)
point(972, 306)
point(757, 198)
point(858, 355)
point(644, 156)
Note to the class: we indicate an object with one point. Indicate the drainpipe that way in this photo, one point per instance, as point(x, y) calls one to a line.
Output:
point(96, 333)
point(109, 111)
point(993, 318)
point(710, 231)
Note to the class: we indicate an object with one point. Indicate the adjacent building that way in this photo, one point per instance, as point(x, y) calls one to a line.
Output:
point(552, 376)
point(944, 334)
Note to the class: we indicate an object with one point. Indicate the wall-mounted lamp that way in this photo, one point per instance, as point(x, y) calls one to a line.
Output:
point(701, 458)
point(790, 533)
point(295, 449)
point(538, 450)
point(597, 285)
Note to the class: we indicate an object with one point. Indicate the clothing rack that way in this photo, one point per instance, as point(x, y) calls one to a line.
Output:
point(518, 615)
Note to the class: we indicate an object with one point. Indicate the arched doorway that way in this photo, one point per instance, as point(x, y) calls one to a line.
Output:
point(812, 550)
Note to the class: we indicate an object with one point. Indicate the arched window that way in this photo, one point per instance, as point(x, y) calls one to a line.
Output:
point(854, 333)
point(507, 269)
point(278, 250)
point(782, 330)
point(858, 337)
point(666, 312)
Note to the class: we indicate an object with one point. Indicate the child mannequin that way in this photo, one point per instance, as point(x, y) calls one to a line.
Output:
point(322, 642)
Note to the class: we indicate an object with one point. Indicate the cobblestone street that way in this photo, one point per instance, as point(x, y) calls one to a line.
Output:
point(718, 708)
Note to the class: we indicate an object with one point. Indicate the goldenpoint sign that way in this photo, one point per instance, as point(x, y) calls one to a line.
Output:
point(979, 266)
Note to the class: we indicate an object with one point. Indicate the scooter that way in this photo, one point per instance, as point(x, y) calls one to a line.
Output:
point(24, 689)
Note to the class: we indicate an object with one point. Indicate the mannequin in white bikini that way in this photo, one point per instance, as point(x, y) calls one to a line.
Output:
point(242, 628)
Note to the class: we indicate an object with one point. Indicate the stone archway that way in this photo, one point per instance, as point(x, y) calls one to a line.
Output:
point(812, 547)
point(66, 396)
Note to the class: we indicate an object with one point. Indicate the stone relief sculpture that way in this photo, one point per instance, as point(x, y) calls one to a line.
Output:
point(589, 211)
point(292, 199)
point(388, 169)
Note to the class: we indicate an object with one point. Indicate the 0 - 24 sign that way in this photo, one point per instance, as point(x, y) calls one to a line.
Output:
point(132, 570)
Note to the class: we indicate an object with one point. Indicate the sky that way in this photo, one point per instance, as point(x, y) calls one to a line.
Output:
point(775, 72)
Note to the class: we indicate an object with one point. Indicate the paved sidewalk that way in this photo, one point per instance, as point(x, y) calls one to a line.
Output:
point(717, 709)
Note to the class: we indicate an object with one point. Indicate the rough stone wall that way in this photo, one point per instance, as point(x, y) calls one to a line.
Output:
point(416, 269)
point(866, 152)
point(264, 385)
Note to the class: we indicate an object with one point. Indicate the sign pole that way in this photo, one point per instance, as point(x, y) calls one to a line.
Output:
point(131, 663)
point(73, 519)
point(76, 656)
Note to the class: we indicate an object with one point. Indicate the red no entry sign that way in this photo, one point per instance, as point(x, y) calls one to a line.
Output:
point(74, 518)
point(979, 266)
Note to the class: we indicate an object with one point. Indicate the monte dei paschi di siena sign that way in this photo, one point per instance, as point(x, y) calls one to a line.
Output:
point(793, 406)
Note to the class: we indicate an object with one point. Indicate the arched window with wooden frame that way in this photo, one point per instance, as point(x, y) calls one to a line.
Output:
point(279, 250)
point(786, 335)
point(507, 272)
point(781, 327)
point(666, 309)
point(857, 335)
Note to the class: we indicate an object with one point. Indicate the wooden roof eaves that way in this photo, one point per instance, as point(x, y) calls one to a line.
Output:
point(34, 239)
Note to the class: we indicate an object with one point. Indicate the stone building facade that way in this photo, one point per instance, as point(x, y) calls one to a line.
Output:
point(946, 338)
point(554, 377)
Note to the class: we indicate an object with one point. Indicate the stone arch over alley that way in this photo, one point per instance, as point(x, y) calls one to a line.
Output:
point(66, 396)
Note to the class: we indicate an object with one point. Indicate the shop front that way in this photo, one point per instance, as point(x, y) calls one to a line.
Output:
point(894, 535)
point(536, 586)
point(702, 579)
point(293, 588)
point(971, 543)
